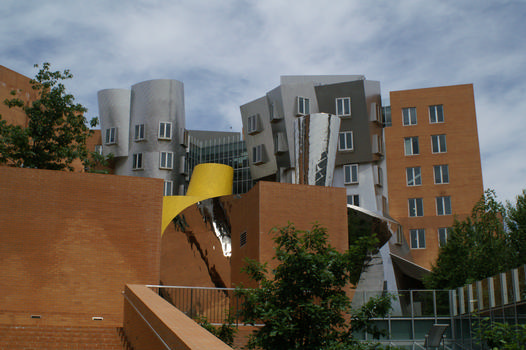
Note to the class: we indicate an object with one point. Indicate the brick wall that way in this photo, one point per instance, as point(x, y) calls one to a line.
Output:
point(71, 241)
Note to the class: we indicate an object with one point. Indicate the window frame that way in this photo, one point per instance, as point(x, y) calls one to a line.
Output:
point(165, 192)
point(441, 207)
point(413, 205)
point(345, 135)
point(443, 231)
point(345, 102)
point(354, 198)
point(414, 176)
point(243, 239)
point(253, 124)
point(351, 178)
point(111, 136)
point(419, 235)
point(442, 179)
point(409, 121)
point(137, 161)
point(436, 114)
point(166, 127)
point(436, 139)
point(167, 158)
point(257, 154)
point(413, 141)
point(303, 105)
point(139, 132)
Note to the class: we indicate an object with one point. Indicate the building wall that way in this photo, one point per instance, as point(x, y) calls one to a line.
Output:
point(13, 81)
point(462, 157)
point(71, 241)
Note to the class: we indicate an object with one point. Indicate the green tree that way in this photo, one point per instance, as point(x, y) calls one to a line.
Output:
point(477, 247)
point(302, 302)
point(57, 129)
point(516, 222)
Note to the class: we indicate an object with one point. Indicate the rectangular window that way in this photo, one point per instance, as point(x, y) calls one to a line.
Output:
point(166, 160)
point(137, 161)
point(343, 107)
point(441, 174)
point(438, 143)
point(345, 141)
point(303, 106)
point(414, 177)
point(353, 199)
point(409, 116)
point(98, 149)
point(350, 174)
point(411, 146)
point(443, 233)
point(257, 154)
point(416, 207)
point(139, 132)
point(253, 124)
point(111, 136)
point(436, 114)
point(165, 131)
point(168, 188)
point(243, 239)
point(443, 205)
point(418, 238)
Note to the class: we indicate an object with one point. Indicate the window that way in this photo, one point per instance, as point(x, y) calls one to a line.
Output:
point(353, 199)
point(378, 175)
point(409, 116)
point(386, 115)
point(137, 161)
point(416, 207)
point(350, 174)
point(243, 238)
point(345, 141)
point(436, 114)
point(111, 136)
point(139, 132)
point(441, 174)
point(411, 146)
point(98, 149)
point(257, 154)
point(414, 177)
point(303, 106)
point(168, 188)
point(166, 160)
point(165, 131)
point(253, 124)
point(443, 205)
point(438, 143)
point(443, 233)
point(418, 238)
point(343, 107)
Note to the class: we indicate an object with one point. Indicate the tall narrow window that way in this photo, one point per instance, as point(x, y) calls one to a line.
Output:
point(443, 233)
point(436, 114)
point(350, 174)
point(346, 141)
point(243, 238)
point(418, 238)
point(166, 160)
point(411, 146)
point(139, 132)
point(438, 143)
point(303, 106)
point(409, 116)
point(253, 124)
point(416, 207)
point(111, 136)
point(441, 174)
point(257, 154)
point(165, 131)
point(137, 161)
point(343, 107)
point(168, 188)
point(414, 177)
point(443, 205)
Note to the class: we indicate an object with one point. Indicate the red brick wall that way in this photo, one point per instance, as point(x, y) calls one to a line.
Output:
point(71, 241)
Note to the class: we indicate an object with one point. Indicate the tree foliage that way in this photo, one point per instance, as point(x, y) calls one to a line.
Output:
point(302, 302)
point(480, 246)
point(500, 336)
point(57, 130)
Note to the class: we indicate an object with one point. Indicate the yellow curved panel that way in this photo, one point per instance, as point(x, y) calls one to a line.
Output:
point(208, 181)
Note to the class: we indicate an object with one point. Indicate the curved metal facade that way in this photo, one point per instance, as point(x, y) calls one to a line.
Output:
point(114, 112)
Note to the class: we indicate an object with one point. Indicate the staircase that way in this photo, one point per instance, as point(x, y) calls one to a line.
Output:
point(25, 337)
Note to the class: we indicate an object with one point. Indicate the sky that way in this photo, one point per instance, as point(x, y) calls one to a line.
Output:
point(230, 52)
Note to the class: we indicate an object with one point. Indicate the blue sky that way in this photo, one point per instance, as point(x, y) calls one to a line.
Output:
point(230, 52)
